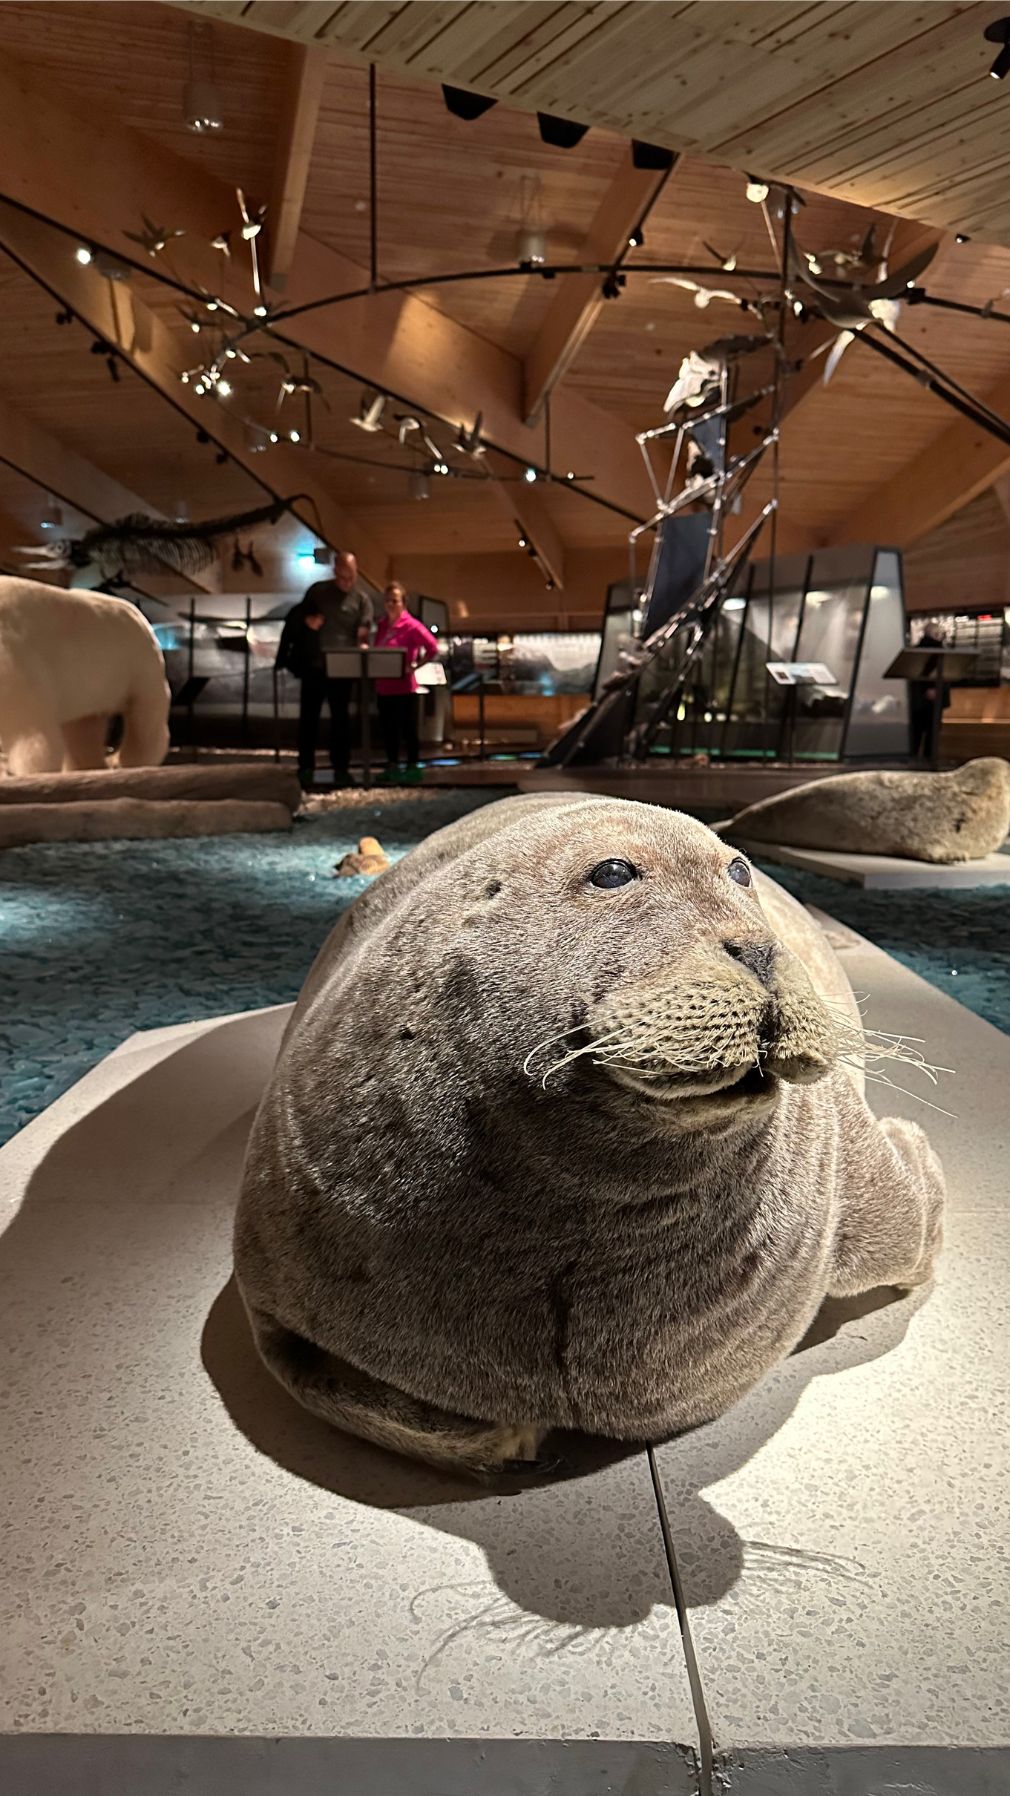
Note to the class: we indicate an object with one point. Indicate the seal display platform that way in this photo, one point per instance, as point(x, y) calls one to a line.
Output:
point(207, 1584)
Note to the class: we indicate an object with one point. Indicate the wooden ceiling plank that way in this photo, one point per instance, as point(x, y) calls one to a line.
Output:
point(76, 480)
point(502, 54)
point(301, 81)
point(117, 314)
point(579, 300)
point(951, 471)
point(819, 93)
point(524, 505)
point(396, 342)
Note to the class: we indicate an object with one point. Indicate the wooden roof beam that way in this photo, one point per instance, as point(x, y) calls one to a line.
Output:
point(525, 506)
point(302, 79)
point(579, 300)
point(57, 469)
point(116, 313)
point(393, 341)
point(959, 463)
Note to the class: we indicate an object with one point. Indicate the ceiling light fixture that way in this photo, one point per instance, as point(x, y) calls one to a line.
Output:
point(560, 133)
point(636, 238)
point(201, 102)
point(83, 255)
point(531, 246)
point(999, 33)
point(650, 157)
point(463, 104)
point(529, 475)
point(757, 191)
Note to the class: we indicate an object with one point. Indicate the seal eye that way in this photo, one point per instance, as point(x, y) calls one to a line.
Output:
point(739, 871)
point(610, 874)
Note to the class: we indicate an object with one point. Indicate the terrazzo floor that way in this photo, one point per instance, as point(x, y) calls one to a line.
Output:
point(99, 940)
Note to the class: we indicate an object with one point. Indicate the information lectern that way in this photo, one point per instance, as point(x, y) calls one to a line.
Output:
point(365, 666)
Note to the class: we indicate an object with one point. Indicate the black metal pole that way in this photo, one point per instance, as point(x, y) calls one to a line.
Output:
point(365, 702)
point(191, 724)
point(245, 671)
point(373, 188)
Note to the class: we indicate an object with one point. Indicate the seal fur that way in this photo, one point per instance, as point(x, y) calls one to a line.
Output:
point(450, 1247)
point(938, 817)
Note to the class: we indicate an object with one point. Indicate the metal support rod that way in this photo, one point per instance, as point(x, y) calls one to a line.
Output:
point(373, 182)
point(245, 670)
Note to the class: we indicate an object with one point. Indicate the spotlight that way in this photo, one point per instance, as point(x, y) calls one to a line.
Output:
point(570, 474)
point(756, 191)
point(999, 33)
point(201, 104)
point(82, 254)
point(440, 467)
point(294, 436)
point(463, 104)
point(962, 237)
point(225, 388)
point(636, 239)
point(531, 247)
point(650, 157)
point(259, 311)
point(523, 543)
point(560, 133)
point(529, 475)
point(274, 438)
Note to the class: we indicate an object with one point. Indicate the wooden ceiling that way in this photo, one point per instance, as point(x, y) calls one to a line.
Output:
point(451, 197)
point(886, 105)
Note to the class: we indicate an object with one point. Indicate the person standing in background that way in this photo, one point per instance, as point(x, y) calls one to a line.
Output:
point(397, 698)
point(346, 611)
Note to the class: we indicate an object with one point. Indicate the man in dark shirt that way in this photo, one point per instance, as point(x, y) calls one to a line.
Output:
point(334, 614)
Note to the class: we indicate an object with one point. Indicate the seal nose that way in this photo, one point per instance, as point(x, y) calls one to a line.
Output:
point(757, 957)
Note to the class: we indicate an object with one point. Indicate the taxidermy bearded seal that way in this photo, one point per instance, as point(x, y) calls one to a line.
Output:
point(559, 1136)
point(940, 817)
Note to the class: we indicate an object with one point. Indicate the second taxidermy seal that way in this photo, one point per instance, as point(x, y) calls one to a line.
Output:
point(559, 1136)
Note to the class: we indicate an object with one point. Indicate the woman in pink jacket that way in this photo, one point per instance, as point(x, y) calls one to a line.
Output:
point(397, 699)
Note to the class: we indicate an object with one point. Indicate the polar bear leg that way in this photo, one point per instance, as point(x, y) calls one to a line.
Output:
point(29, 725)
point(84, 743)
point(145, 727)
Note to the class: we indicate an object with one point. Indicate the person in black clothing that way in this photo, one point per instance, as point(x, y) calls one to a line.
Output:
point(334, 614)
point(921, 697)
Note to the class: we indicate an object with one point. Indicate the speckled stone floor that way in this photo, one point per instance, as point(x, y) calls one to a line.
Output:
point(100, 939)
point(206, 1588)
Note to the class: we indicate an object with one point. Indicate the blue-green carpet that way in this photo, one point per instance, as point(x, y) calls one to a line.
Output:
point(100, 939)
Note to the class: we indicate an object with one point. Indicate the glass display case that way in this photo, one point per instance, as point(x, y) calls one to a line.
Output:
point(842, 608)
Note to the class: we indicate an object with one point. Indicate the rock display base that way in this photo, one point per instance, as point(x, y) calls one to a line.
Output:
point(131, 818)
point(264, 782)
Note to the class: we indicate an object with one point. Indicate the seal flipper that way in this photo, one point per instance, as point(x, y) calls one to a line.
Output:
point(378, 1412)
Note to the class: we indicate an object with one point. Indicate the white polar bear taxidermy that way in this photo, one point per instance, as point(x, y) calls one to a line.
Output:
point(69, 661)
